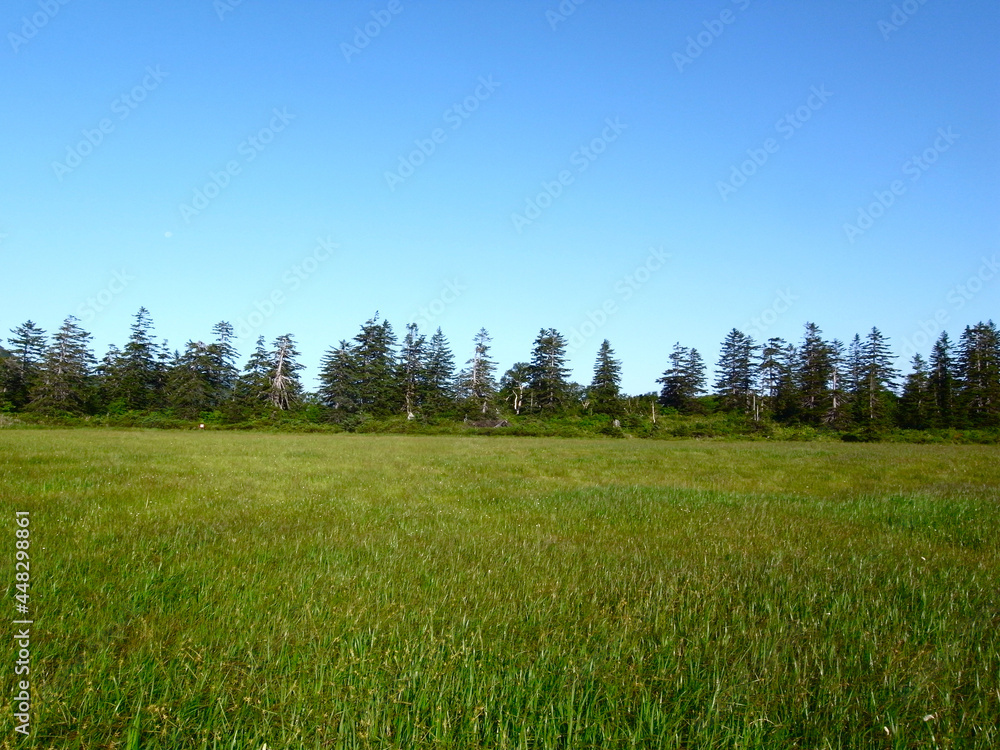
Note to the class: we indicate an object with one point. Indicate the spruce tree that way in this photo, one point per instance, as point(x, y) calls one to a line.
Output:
point(875, 398)
point(942, 377)
point(412, 370)
point(439, 383)
point(979, 375)
point(854, 375)
point(66, 381)
point(223, 369)
point(515, 386)
point(375, 358)
point(549, 374)
point(109, 398)
point(605, 388)
point(284, 387)
point(140, 371)
point(914, 405)
point(253, 385)
point(736, 373)
point(839, 414)
point(776, 374)
point(190, 386)
point(338, 380)
point(683, 381)
point(478, 381)
point(813, 375)
point(5, 378)
point(24, 365)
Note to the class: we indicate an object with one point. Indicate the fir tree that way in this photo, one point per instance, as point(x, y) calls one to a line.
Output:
point(66, 382)
point(253, 384)
point(736, 373)
point(284, 387)
point(190, 386)
point(375, 357)
point(914, 406)
point(24, 365)
point(942, 377)
point(439, 383)
point(5, 376)
point(140, 371)
point(338, 380)
point(683, 381)
point(979, 375)
point(477, 380)
point(605, 388)
point(839, 414)
point(412, 370)
point(854, 375)
point(203, 377)
point(776, 374)
point(813, 375)
point(515, 386)
point(223, 370)
point(549, 374)
point(875, 398)
point(108, 391)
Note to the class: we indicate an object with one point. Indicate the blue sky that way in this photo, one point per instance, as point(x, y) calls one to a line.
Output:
point(646, 172)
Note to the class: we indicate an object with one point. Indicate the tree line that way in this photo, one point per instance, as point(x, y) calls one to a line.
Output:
point(377, 375)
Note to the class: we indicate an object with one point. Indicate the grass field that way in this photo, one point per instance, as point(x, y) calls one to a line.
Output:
point(217, 590)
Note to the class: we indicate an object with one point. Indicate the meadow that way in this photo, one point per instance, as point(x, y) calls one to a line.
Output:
point(231, 590)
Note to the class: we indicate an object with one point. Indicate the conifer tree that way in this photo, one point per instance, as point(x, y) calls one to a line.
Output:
point(839, 414)
point(477, 381)
point(24, 365)
point(439, 383)
point(549, 374)
point(605, 388)
point(203, 377)
point(915, 405)
point(140, 370)
point(223, 369)
point(338, 380)
point(376, 390)
point(813, 375)
point(284, 387)
point(979, 375)
point(190, 386)
point(515, 386)
point(875, 397)
point(252, 386)
point(683, 381)
point(854, 369)
point(66, 381)
point(942, 377)
point(108, 391)
point(413, 370)
point(776, 373)
point(736, 373)
point(5, 376)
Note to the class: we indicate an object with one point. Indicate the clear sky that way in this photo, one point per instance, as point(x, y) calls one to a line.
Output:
point(645, 172)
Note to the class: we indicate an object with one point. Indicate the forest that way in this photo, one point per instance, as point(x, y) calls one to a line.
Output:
point(377, 381)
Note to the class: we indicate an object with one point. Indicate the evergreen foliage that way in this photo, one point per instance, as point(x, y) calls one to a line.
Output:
point(371, 383)
point(477, 383)
point(548, 372)
point(604, 393)
point(65, 379)
point(736, 374)
point(683, 381)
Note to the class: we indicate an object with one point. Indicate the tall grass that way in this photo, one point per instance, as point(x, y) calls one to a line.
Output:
point(196, 590)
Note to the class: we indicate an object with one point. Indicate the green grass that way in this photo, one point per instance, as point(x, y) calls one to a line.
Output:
point(216, 590)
